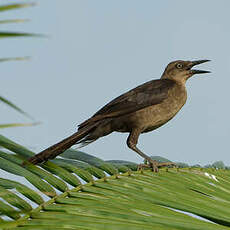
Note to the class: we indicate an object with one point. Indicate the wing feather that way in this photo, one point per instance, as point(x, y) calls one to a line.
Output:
point(147, 94)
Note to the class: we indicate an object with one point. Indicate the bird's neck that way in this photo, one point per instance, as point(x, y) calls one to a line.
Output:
point(180, 81)
point(180, 92)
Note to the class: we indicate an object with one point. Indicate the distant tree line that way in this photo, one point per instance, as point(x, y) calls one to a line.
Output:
point(216, 164)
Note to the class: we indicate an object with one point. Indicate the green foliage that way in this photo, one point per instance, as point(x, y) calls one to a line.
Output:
point(196, 166)
point(2, 126)
point(68, 194)
point(218, 165)
point(13, 106)
point(182, 165)
point(13, 34)
point(14, 6)
point(160, 159)
point(208, 166)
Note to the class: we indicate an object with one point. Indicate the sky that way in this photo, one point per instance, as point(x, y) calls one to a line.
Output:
point(96, 50)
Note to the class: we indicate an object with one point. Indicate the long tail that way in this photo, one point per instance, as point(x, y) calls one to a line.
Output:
point(61, 146)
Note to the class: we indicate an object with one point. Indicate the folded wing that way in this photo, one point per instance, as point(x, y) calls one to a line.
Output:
point(148, 94)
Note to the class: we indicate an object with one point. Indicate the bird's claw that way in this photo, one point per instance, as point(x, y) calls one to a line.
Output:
point(154, 165)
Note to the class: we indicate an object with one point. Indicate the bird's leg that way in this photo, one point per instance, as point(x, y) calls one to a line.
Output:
point(132, 142)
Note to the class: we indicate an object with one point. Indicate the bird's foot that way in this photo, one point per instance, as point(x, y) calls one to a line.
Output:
point(165, 164)
point(154, 165)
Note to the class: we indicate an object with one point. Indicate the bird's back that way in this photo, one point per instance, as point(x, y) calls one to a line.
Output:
point(148, 94)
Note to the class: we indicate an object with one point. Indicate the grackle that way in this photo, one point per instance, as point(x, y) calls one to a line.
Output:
point(140, 110)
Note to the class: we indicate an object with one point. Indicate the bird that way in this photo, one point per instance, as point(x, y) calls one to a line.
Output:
point(140, 110)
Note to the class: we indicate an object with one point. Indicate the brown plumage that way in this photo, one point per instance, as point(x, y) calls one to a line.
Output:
point(140, 110)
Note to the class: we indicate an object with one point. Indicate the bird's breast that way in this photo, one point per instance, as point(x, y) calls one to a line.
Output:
point(157, 115)
point(154, 116)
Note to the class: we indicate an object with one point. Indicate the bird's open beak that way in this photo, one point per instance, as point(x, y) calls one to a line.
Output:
point(195, 71)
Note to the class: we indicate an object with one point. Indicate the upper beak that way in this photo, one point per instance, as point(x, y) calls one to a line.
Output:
point(195, 71)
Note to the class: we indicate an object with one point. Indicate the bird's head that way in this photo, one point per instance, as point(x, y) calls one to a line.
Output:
point(180, 71)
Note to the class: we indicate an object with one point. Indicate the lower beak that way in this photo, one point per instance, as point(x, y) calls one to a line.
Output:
point(195, 71)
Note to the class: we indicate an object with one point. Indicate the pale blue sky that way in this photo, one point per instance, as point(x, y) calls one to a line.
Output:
point(97, 50)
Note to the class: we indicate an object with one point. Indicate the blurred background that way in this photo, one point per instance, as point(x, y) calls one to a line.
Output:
point(96, 50)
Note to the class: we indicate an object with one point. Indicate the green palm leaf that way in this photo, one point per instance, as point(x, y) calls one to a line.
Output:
point(14, 34)
point(13, 106)
point(68, 195)
point(12, 125)
point(7, 34)
point(15, 6)
point(13, 21)
point(14, 59)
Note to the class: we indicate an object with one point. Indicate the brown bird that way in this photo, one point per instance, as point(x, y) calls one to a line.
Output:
point(140, 110)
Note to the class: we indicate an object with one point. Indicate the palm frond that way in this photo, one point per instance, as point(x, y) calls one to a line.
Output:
point(15, 6)
point(13, 125)
point(69, 194)
point(14, 59)
point(14, 34)
point(13, 21)
point(8, 34)
point(13, 106)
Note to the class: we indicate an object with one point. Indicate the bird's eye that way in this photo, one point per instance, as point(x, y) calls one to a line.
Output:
point(179, 66)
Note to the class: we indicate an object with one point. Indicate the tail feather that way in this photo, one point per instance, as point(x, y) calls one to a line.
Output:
point(61, 146)
point(85, 142)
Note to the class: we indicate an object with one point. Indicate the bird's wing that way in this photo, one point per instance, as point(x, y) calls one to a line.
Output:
point(148, 94)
